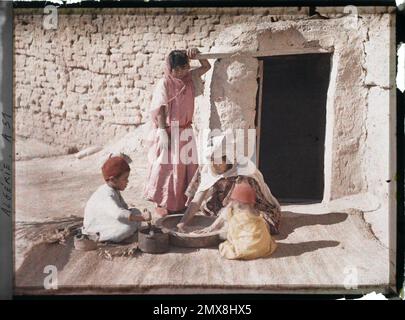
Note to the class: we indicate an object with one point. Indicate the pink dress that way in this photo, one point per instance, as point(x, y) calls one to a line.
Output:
point(168, 179)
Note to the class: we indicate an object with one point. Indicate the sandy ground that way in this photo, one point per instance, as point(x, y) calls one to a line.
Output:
point(26, 149)
point(60, 186)
point(318, 247)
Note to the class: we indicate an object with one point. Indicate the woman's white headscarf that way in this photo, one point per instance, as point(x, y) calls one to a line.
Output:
point(243, 166)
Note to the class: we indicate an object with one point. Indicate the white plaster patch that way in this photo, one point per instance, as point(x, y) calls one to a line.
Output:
point(233, 93)
point(377, 53)
point(236, 71)
point(281, 39)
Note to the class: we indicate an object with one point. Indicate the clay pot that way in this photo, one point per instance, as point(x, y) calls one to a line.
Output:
point(156, 241)
point(83, 243)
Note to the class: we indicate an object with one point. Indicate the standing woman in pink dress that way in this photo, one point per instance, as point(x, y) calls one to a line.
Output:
point(172, 110)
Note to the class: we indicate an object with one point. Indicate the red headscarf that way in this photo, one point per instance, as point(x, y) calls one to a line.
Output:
point(114, 167)
point(172, 90)
point(174, 85)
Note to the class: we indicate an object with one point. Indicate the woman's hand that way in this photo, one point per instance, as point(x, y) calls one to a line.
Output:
point(192, 53)
point(205, 65)
point(180, 227)
point(163, 139)
point(146, 215)
point(136, 217)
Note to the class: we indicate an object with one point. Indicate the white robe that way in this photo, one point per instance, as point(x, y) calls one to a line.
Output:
point(107, 214)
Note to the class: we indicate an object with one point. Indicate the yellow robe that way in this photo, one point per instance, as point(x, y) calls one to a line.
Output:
point(248, 236)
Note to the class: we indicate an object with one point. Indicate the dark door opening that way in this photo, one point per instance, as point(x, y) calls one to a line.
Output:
point(292, 125)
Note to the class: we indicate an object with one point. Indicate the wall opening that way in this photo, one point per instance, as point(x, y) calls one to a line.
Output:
point(292, 123)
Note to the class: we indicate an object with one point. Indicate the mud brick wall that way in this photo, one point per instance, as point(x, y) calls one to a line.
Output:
point(91, 79)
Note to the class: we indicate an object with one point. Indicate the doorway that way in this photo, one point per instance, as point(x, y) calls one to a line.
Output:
point(292, 123)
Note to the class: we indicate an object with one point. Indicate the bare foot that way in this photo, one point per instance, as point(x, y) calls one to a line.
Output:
point(161, 211)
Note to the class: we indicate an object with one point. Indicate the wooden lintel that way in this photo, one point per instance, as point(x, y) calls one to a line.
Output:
point(258, 54)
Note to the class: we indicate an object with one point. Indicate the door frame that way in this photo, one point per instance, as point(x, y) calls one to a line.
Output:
point(327, 158)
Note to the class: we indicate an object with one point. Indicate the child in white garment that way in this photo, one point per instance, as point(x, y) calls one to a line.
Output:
point(106, 213)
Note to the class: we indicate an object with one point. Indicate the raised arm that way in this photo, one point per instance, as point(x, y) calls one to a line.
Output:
point(205, 65)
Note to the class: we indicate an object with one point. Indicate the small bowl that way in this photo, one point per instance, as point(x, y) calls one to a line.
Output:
point(83, 243)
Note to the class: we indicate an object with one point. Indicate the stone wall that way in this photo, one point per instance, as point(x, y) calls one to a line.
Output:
point(91, 79)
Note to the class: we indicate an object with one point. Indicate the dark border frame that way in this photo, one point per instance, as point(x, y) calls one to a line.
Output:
point(7, 150)
point(7, 153)
point(205, 3)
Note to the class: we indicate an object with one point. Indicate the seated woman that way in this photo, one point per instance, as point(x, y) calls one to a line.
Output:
point(213, 183)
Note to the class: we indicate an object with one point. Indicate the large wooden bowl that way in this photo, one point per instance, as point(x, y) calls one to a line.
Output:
point(168, 224)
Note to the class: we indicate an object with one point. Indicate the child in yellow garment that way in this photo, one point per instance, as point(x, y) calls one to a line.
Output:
point(248, 235)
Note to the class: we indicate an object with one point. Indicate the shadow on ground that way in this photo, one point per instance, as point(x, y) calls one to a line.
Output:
point(296, 249)
point(290, 221)
point(32, 272)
